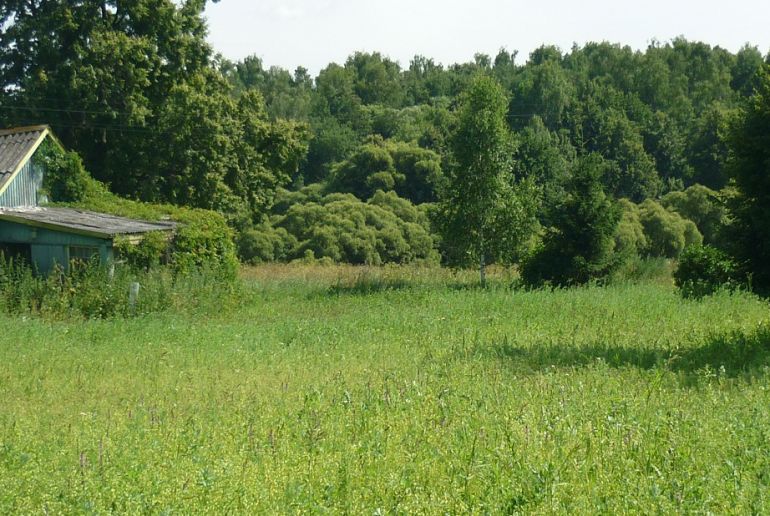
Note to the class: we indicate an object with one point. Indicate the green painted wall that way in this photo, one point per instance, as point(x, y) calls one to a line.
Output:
point(50, 247)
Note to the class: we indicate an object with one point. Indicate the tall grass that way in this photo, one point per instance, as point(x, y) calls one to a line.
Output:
point(94, 291)
point(431, 396)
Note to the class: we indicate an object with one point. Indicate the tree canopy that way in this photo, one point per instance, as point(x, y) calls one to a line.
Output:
point(490, 147)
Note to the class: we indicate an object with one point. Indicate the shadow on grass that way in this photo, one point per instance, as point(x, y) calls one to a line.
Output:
point(732, 354)
point(368, 286)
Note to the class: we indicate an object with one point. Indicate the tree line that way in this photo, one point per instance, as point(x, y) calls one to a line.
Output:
point(372, 162)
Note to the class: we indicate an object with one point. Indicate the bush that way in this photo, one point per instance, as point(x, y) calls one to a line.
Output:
point(340, 228)
point(703, 270)
point(629, 235)
point(701, 205)
point(66, 179)
point(667, 232)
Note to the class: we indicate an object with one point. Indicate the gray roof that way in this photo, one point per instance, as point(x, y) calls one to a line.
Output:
point(16, 145)
point(82, 222)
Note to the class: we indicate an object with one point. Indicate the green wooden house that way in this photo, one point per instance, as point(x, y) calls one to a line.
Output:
point(46, 236)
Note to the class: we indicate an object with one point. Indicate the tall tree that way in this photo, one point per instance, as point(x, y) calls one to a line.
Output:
point(486, 214)
point(132, 87)
point(749, 166)
point(580, 246)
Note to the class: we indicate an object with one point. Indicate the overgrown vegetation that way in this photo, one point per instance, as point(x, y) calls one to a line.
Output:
point(341, 389)
point(704, 270)
point(202, 238)
point(91, 291)
point(167, 122)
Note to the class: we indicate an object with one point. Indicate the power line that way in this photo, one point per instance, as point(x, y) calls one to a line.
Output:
point(63, 110)
point(96, 127)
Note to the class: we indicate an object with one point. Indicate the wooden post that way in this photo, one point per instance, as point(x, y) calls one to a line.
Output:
point(133, 295)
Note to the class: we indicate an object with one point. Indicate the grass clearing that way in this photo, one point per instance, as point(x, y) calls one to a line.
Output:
point(393, 390)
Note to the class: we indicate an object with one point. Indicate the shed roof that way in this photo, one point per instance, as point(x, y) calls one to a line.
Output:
point(16, 148)
point(82, 222)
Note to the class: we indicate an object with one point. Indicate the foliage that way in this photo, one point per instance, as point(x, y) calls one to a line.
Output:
point(486, 214)
point(333, 400)
point(405, 168)
point(750, 154)
point(545, 157)
point(703, 270)
point(580, 246)
point(148, 254)
point(629, 235)
point(703, 206)
point(134, 90)
point(66, 179)
point(667, 233)
point(341, 228)
point(202, 238)
point(92, 291)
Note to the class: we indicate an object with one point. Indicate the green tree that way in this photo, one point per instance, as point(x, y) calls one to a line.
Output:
point(749, 143)
point(379, 164)
point(485, 214)
point(581, 245)
point(377, 80)
point(133, 88)
point(545, 158)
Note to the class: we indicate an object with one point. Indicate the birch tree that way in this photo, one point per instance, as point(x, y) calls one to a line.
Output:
point(486, 215)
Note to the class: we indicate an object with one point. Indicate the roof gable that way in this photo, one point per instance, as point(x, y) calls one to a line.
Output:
point(16, 148)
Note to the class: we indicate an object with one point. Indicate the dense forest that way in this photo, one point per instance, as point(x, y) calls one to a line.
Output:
point(368, 161)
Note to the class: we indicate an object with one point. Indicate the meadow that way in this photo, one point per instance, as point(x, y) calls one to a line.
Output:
point(393, 390)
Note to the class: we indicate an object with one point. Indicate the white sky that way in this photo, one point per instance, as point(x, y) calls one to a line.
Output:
point(313, 33)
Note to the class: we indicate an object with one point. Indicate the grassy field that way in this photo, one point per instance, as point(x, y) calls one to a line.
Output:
point(374, 391)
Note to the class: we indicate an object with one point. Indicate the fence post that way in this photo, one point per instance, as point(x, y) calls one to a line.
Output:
point(133, 295)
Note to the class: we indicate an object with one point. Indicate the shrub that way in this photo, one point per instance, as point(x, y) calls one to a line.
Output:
point(341, 228)
point(629, 235)
point(265, 244)
point(701, 205)
point(667, 232)
point(703, 270)
point(66, 179)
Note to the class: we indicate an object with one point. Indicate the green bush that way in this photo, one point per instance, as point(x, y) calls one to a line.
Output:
point(265, 244)
point(667, 232)
point(701, 205)
point(704, 270)
point(629, 235)
point(66, 179)
point(341, 228)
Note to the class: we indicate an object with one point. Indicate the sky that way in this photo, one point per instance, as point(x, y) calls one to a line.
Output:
point(314, 33)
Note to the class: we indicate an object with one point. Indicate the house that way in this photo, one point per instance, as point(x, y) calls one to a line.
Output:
point(46, 236)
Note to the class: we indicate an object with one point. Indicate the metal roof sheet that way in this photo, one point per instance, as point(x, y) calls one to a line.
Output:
point(16, 145)
point(83, 222)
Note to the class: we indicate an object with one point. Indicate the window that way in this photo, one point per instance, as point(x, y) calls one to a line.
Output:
point(82, 254)
point(16, 252)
